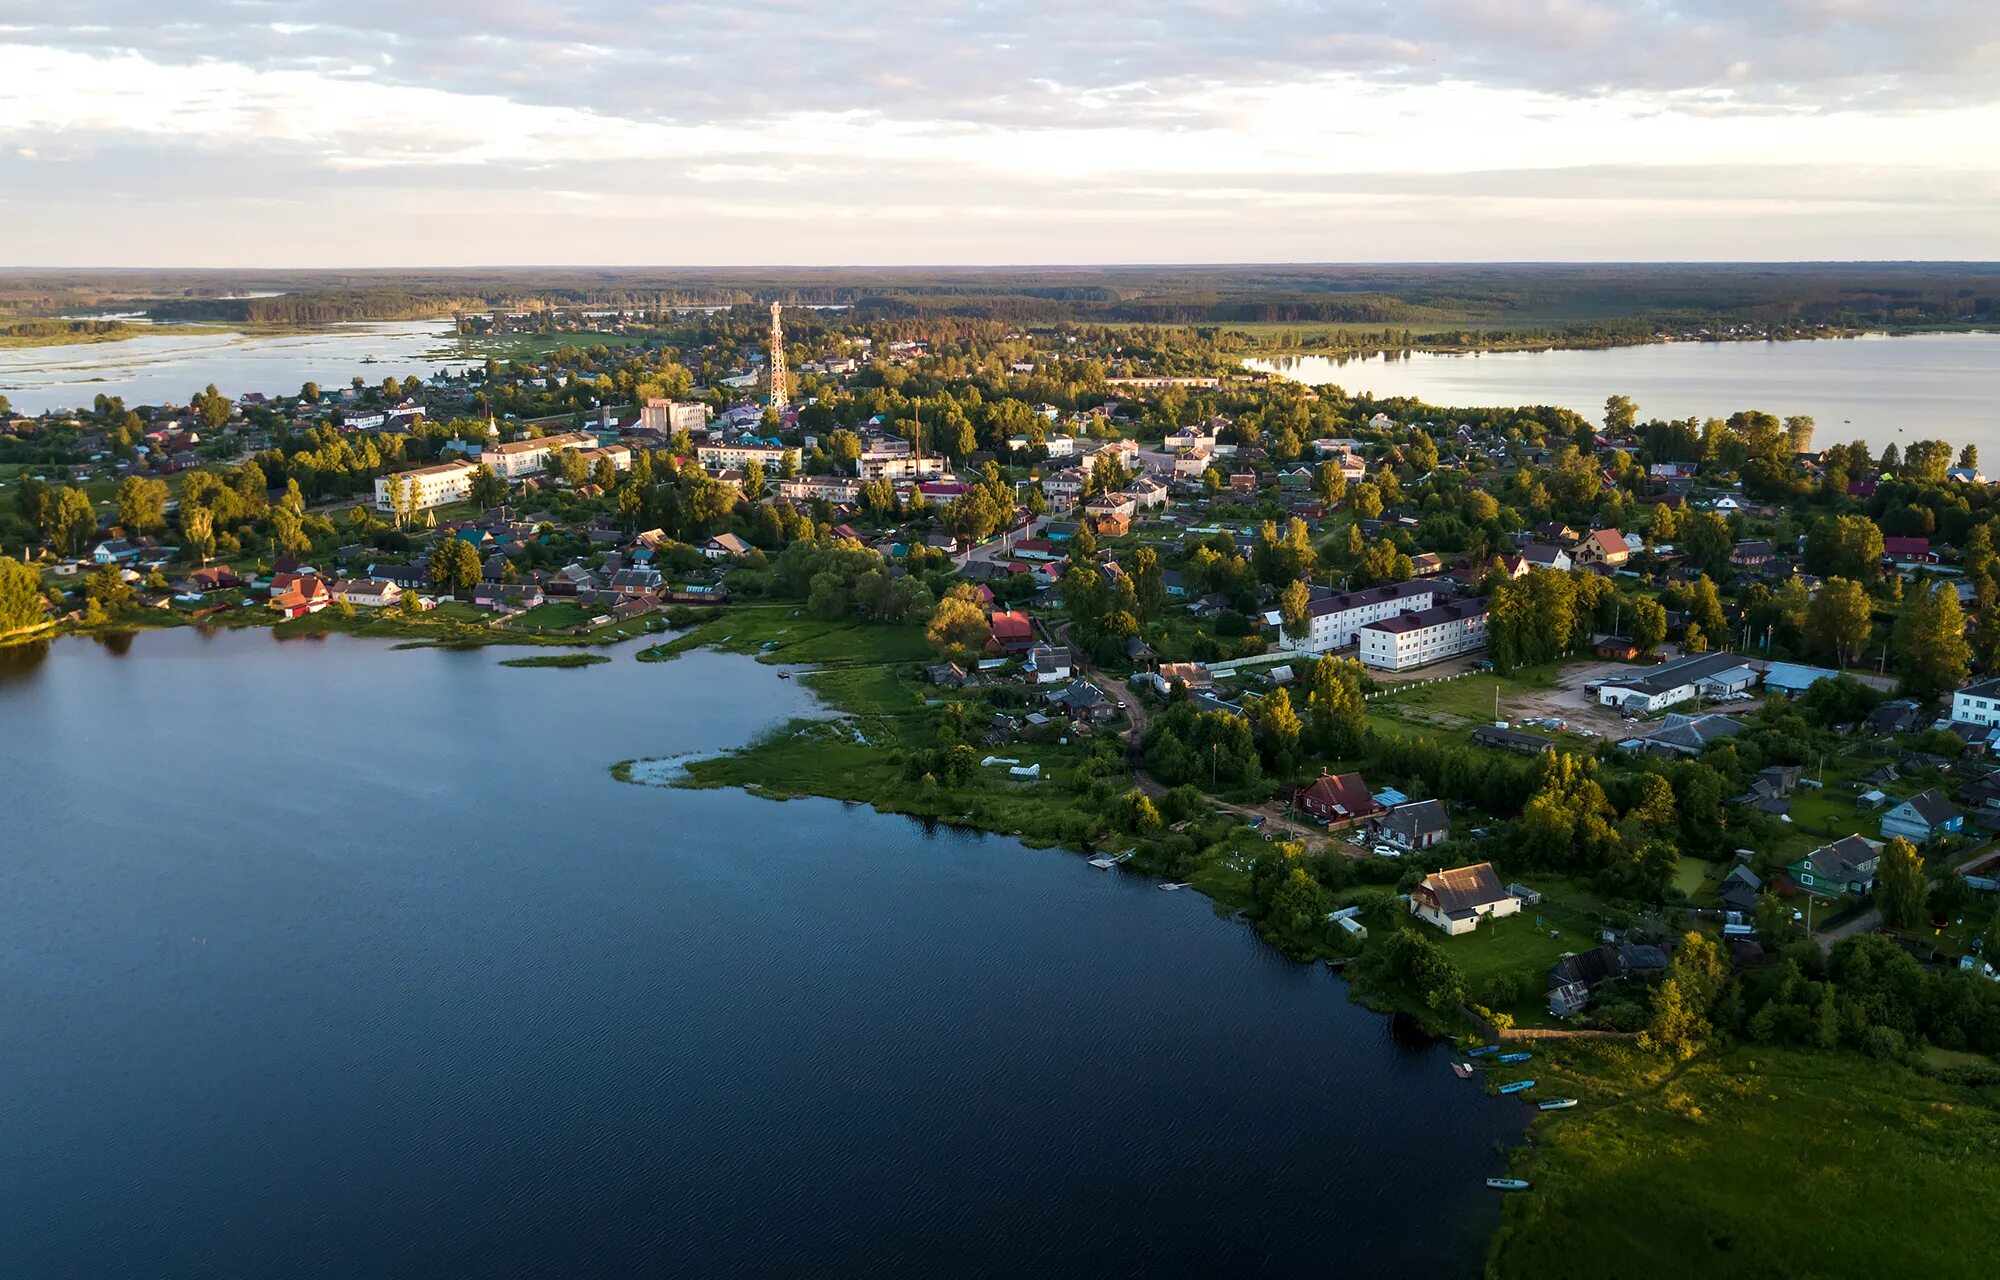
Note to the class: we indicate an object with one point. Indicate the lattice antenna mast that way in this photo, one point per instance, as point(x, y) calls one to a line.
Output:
point(778, 377)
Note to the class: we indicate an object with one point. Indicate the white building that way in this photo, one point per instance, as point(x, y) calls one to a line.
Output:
point(884, 464)
point(519, 458)
point(832, 488)
point(1064, 489)
point(722, 457)
point(1977, 704)
point(430, 486)
point(673, 415)
point(1337, 620)
point(1708, 675)
point(1430, 635)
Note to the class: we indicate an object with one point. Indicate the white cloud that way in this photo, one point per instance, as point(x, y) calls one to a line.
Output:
point(1210, 130)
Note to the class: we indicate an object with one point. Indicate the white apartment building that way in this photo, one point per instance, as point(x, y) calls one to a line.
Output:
point(1977, 703)
point(722, 457)
point(832, 488)
point(432, 486)
point(1337, 620)
point(520, 458)
point(885, 464)
point(1430, 635)
point(620, 455)
point(1060, 446)
point(673, 415)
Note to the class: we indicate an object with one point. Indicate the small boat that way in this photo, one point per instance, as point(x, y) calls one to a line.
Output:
point(1517, 1086)
point(1556, 1104)
point(1463, 1070)
point(1185, 884)
point(1481, 1051)
point(1514, 1057)
point(1507, 1184)
point(784, 675)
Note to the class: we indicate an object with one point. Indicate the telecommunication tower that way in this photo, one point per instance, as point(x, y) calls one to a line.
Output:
point(777, 361)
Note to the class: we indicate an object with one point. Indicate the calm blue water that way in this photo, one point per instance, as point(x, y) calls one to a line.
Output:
point(320, 959)
point(1880, 389)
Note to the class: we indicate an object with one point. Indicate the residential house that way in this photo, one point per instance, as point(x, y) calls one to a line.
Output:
point(1573, 977)
point(1753, 554)
point(1740, 889)
point(1923, 818)
point(1903, 715)
point(293, 595)
point(1048, 664)
point(1415, 826)
point(115, 551)
point(1082, 700)
point(724, 545)
point(1845, 866)
point(1012, 633)
point(1338, 799)
point(1456, 900)
point(367, 593)
point(216, 577)
point(1603, 548)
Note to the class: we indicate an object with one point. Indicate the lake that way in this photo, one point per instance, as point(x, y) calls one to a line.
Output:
point(1875, 388)
point(323, 959)
point(167, 368)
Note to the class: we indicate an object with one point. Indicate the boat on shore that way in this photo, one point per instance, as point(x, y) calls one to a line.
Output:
point(1517, 1086)
point(1556, 1104)
point(1481, 1051)
point(1507, 1184)
point(1514, 1057)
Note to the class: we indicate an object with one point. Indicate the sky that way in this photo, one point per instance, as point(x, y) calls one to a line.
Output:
point(351, 133)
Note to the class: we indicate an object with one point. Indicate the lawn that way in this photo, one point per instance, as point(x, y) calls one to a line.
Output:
point(1522, 946)
point(1751, 1162)
point(556, 615)
point(786, 633)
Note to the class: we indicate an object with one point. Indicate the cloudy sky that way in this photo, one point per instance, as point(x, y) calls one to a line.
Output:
point(460, 132)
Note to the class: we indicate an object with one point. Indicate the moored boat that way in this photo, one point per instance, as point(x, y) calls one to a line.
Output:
point(1517, 1086)
point(1507, 1184)
point(1514, 1057)
point(1556, 1104)
point(1481, 1051)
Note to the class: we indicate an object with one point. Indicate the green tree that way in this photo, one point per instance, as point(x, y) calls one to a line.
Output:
point(1675, 1028)
point(1649, 623)
point(1295, 611)
point(1620, 415)
point(1279, 725)
point(1149, 583)
point(21, 601)
point(1931, 649)
point(1840, 621)
point(142, 504)
point(198, 532)
point(288, 533)
point(455, 566)
point(488, 490)
point(70, 520)
point(958, 625)
point(1901, 887)
point(1705, 608)
point(1330, 482)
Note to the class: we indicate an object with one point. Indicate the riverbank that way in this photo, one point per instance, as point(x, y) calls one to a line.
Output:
point(1752, 1161)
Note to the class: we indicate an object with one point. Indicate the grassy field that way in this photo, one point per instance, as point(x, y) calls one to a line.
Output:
point(1752, 1162)
point(785, 633)
point(564, 660)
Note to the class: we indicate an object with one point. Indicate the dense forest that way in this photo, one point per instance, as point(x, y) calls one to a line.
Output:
point(1621, 300)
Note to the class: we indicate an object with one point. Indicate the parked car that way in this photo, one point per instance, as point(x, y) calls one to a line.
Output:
point(1387, 851)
